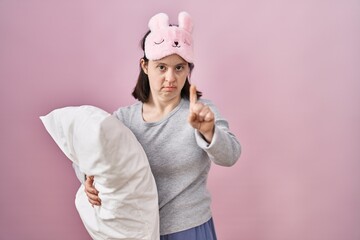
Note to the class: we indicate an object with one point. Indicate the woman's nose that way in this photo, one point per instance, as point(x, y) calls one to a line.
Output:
point(170, 75)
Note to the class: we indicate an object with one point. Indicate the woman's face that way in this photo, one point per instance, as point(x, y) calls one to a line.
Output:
point(167, 77)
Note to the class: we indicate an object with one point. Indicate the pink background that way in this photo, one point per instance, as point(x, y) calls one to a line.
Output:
point(286, 74)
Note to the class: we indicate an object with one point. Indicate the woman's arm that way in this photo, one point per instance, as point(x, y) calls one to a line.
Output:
point(224, 149)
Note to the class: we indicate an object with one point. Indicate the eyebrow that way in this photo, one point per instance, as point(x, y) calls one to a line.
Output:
point(177, 64)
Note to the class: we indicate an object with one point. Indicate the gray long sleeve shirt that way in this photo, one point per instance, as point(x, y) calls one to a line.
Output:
point(180, 160)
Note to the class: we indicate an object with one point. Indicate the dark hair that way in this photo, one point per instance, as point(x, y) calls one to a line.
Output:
point(141, 91)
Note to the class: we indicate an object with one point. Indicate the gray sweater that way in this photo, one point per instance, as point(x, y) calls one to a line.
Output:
point(180, 160)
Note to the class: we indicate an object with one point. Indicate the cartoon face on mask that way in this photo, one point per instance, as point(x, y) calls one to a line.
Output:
point(165, 40)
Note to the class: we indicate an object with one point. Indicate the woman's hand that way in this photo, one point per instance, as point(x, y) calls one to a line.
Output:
point(201, 117)
point(91, 192)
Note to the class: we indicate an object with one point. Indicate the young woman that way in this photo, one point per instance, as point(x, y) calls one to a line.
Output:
point(180, 134)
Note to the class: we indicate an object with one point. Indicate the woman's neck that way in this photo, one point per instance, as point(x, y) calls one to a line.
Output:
point(154, 111)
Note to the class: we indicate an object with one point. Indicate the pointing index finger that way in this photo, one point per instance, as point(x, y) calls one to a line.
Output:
point(193, 95)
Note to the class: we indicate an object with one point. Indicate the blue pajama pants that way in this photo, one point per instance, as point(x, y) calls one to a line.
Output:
point(205, 231)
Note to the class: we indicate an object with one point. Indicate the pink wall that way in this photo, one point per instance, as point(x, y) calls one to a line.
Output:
point(286, 74)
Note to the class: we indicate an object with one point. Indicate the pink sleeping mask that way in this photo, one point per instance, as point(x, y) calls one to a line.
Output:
point(165, 40)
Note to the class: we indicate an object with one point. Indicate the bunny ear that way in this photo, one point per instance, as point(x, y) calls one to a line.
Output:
point(185, 21)
point(160, 20)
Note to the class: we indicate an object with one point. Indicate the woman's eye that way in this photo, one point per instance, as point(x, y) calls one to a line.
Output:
point(179, 68)
point(162, 68)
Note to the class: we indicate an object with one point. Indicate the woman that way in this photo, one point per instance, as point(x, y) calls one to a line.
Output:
point(180, 134)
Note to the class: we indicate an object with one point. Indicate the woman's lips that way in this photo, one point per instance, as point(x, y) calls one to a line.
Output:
point(169, 88)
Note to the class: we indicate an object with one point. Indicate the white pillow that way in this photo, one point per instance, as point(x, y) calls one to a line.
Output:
point(103, 147)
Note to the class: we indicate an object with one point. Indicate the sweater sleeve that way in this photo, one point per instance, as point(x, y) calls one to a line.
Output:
point(224, 149)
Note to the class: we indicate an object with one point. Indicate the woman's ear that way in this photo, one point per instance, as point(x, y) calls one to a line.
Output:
point(144, 66)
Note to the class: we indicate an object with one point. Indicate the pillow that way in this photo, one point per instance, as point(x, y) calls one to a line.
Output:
point(103, 147)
